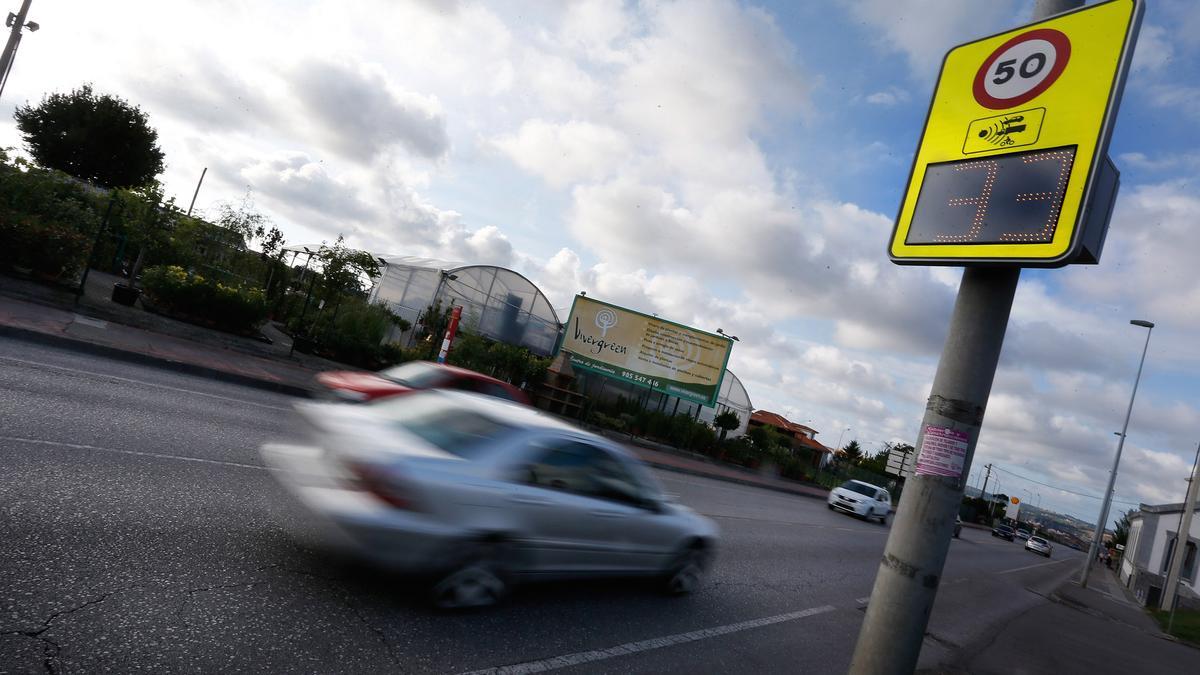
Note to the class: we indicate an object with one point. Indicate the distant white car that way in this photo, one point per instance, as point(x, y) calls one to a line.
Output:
point(862, 499)
point(1038, 545)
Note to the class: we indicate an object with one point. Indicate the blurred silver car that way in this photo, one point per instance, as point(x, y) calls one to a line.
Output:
point(478, 492)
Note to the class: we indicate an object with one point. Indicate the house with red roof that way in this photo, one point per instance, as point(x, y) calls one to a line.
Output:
point(798, 435)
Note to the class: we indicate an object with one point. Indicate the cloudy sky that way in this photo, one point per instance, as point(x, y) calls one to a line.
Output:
point(723, 164)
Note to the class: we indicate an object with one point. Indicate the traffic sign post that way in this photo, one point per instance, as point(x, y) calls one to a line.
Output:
point(899, 461)
point(1012, 166)
point(1034, 200)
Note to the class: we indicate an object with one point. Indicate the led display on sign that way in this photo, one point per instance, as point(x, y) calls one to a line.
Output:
point(1012, 198)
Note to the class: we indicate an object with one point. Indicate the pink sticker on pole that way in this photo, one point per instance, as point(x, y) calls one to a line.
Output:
point(943, 452)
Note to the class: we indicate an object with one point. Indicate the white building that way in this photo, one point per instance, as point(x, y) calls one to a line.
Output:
point(497, 302)
point(1152, 539)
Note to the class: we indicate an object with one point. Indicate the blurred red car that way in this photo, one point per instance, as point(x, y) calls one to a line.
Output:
point(357, 386)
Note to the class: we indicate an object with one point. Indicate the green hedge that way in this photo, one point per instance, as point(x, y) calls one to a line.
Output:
point(513, 364)
point(233, 308)
point(48, 248)
point(352, 331)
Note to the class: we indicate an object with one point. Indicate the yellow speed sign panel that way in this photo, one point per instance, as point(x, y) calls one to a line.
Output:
point(1012, 161)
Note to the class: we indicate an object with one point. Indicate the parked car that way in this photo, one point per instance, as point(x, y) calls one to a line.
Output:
point(957, 526)
point(358, 386)
point(478, 493)
point(862, 499)
point(1003, 531)
point(1023, 533)
point(1038, 545)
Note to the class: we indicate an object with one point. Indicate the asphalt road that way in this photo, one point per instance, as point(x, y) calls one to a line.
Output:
point(139, 532)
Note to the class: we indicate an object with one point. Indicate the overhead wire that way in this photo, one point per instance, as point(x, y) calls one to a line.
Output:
point(1060, 488)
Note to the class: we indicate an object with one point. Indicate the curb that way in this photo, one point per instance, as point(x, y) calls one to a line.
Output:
point(85, 347)
point(727, 479)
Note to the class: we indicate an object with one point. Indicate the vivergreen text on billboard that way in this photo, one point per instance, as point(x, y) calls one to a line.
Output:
point(647, 351)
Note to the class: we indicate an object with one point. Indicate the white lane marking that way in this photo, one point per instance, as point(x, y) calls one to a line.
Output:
point(143, 383)
point(136, 453)
point(774, 521)
point(1029, 567)
point(578, 658)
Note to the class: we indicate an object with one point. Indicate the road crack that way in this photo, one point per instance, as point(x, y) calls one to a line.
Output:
point(179, 613)
point(52, 649)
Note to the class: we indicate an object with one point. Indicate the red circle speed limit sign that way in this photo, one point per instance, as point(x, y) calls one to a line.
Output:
point(1021, 69)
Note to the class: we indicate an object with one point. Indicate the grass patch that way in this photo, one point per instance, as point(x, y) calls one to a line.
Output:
point(1186, 626)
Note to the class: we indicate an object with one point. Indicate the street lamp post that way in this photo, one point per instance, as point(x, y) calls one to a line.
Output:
point(840, 437)
point(1112, 475)
point(16, 22)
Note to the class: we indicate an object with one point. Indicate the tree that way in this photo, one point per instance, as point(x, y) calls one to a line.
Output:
point(433, 323)
point(98, 138)
point(852, 453)
point(765, 438)
point(250, 225)
point(1121, 531)
point(343, 269)
point(726, 422)
point(147, 222)
point(877, 462)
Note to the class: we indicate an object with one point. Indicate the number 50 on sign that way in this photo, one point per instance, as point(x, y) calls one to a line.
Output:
point(1012, 168)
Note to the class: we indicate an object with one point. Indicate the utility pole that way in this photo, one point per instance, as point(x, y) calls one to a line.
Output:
point(983, 494)
point(197, 192)
point(1179, 552)
point(17, 21)
point(1102, 524)
point(909, 574)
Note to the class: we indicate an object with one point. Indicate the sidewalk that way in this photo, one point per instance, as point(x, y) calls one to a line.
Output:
point(94, 324)
point(729, 474)
point(1098, 629)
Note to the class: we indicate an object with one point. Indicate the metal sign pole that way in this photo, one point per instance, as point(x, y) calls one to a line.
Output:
point(908, 578)
point(909, 574)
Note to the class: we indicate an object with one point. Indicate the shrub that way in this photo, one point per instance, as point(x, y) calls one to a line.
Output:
point(234, 308)
point(392, 354)
point(510, 363)
point(351, 331)
point(48, 248)
point(355, 335)
point(606, 422)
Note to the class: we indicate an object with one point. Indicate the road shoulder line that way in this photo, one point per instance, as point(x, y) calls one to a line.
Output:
point(1029, 567)
point(579, 658)
point(137, 453)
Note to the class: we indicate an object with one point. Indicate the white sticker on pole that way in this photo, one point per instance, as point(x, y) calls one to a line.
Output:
point(943, 452)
